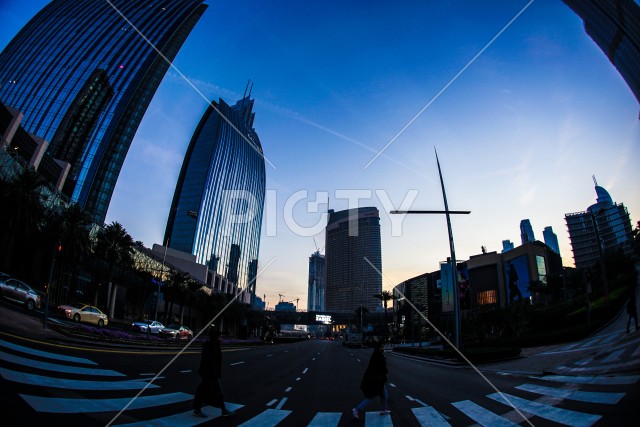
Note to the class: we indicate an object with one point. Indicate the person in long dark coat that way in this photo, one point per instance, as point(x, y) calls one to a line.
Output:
point(210, 388)
point(374, 380)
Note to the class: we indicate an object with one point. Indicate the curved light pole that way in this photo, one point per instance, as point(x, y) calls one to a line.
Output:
point(447, 212)
point(155, 316)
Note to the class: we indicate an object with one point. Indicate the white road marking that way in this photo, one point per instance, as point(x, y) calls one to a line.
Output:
point(374, 419)
point(548, 412)
point(298, 379)
point(237, 363)
point(186, 371)
point(50, 382)
point(45, 354)
point(325, 419)
point(620, 380)
point(583, 396)
point(281, 404)
point(305, 370)
point(61, 405)
point(184, 419)
point(272, 402)
point(613, 357)
point(428, 417)
point(18, 360)
point(270, 417)
point(482, 416)
point(288, 389)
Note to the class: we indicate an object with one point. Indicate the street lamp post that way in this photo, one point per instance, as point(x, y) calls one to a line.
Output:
point(155, 317)
point(447, 212)
point(603, 268)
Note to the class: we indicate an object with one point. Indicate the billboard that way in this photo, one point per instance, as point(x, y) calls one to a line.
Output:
point(516, 273)
point(446, 284)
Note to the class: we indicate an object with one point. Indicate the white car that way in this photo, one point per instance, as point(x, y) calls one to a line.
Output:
point(152, 327)
point(84, 313)
point(176, 332)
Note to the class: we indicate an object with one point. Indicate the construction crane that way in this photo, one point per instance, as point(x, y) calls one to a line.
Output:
point(280, 295)
point(316, 245)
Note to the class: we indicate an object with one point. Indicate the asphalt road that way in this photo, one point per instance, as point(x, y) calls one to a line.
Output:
point(48, 379)
point(289, 384)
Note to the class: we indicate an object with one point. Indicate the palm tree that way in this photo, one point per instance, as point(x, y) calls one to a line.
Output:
point(115, 246)
point(385, 297)
point(23, 219)
point(174, 292)
point(636, 240)
point(69, 230)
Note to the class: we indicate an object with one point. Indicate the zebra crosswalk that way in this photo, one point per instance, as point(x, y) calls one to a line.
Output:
point(607, 353)
point(549, 397)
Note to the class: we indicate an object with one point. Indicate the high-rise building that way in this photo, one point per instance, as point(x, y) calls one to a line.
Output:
point(526, 231)
point(216, 212)
point(317, 283)
point(615, 27)
point(507, 245)
point(605, 224)
point(551, 239)
point(354, 260)
point(83, 75)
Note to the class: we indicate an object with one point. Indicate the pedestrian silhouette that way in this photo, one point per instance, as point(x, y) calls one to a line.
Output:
point(632, 310)
point(374, 380)
point(513, 284)
point(209, 390)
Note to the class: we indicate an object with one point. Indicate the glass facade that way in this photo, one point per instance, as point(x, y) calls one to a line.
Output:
point(606, 222)
point(316, 294)
point(615, 27)
point(82, 61)
point(526, 231)
point(551, 239)
point(351, 236)
point(216, 212)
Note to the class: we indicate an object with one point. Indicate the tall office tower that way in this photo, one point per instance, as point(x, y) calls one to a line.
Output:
point(615, 27)
point(551, 239)
point(526, 231)
point(83, 75)
point(216, 212)
point(317, 283)
point(606, 222)
point(354, 260)
point(507, 245)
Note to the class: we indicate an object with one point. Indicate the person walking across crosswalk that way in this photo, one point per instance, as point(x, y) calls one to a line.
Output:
point(210, 388)
point(373, 381)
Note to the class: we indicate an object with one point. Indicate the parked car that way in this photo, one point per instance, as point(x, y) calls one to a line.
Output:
point(17, 291)
point(147, 326)
point(176, 332)
point(84, 313)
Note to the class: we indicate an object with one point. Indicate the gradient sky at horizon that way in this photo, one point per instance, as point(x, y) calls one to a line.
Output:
point(519, 133)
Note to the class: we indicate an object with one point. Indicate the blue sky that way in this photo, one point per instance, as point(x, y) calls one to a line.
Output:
point(519, 132)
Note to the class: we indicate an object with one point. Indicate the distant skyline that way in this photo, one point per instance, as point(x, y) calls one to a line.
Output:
point(522, 112)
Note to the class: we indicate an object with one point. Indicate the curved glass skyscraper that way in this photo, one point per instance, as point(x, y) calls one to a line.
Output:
point(83, 75)
point(216, 212)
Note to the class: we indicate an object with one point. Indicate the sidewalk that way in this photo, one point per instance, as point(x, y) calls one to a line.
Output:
point(608, 351)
